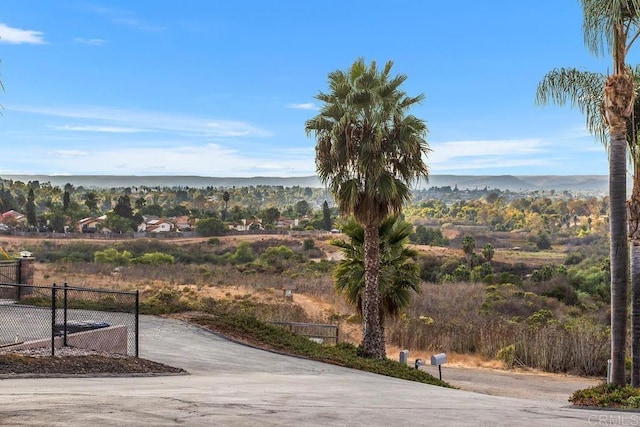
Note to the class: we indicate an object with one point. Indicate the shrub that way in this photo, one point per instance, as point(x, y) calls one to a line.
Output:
point(243, 254)
point(113, 256)
point(573, 258)
point(155, 258)
point(543, 241)
point(308, 244)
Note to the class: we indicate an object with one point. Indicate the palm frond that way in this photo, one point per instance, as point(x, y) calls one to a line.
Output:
point(399, 274)
point(582, 89)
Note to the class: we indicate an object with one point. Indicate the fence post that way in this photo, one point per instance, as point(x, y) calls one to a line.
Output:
point(137, 321)
point(53, 320)
point(26, 270)
point(64, 313)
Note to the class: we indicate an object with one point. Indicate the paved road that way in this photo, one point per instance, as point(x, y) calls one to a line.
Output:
point(233, 385)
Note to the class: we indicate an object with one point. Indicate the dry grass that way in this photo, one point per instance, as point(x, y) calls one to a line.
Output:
point(444, 318)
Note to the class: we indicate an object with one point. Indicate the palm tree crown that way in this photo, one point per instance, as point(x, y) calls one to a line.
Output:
point(368, 149)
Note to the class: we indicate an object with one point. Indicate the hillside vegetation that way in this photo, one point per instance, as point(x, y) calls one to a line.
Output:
point(518, 277)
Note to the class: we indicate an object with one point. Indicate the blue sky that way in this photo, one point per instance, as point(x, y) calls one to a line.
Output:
point(223, 88)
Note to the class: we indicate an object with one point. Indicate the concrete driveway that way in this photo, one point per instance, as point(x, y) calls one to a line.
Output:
point(233, 385)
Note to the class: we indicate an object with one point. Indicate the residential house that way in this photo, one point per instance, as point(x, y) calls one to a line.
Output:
point(246, 225)
point(182, 223)
point(283, 222)
point(92, 225)
point(156, 225)
point(13, 218)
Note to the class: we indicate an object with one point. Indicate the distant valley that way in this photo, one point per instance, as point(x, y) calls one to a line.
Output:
point(519, 183)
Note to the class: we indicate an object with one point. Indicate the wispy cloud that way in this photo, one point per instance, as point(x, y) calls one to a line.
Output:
point(149, 121)
point(71, 153)
point(172, 159)
point(304, 106)
point(488, 154)
point(106, 129)
point(13, 35)
point(447, 151)
point(127, 18)
point(90, 42)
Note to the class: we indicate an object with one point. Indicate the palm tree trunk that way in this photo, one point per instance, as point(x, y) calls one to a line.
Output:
point(618, 99)
point(618, 253)
point(635, 312)
point(633, 223)
point(373, 344)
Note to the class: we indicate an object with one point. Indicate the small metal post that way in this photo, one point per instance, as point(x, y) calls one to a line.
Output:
point(53, 320)
point(137, 322)
point(440, 371)
point(64, 312)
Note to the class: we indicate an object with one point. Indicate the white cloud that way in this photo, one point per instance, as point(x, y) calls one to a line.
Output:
point(90, 42)
point(71, 153)
point(207, 160)
point(305, 106)
point(13, 35)
point(106, 129)
point(446, 152)
point(150, 121)
point(494, 155)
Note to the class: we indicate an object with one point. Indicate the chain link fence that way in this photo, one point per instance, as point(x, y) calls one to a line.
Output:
point(51, 317)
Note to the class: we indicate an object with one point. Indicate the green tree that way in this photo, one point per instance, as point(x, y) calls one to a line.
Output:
point(468, 246)
point(123, 207)
point(369, 151)
point(225, 198)
point(610, 24)
point(399, 273)
point(302, 208)
point(31, 209)
point(270, 215)
point(91, 201)
point(56, 221)
point(118, 224)
point(140, 203)
point(210, 227)
point(327, 223)
point(488, 251)
point(66, 201)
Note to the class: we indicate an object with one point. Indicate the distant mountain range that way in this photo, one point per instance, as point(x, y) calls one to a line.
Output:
point(576, 183)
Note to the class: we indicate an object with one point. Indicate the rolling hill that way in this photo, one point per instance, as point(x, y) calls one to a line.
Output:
point(582, 183)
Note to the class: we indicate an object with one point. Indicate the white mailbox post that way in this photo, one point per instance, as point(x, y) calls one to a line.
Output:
point(438, 360)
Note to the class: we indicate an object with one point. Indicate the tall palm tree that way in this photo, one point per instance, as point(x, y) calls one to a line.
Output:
point(225, 197)
point(612, 24)
point(368, 152)
point(633, 225)
point(399, 274)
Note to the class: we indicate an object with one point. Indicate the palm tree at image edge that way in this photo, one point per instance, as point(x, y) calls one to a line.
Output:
point(607, 25)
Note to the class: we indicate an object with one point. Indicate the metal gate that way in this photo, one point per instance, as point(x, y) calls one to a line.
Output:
point(9, 272)
point(9, 275)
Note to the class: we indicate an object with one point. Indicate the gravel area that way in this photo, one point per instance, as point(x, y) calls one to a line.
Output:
point(76, 361)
